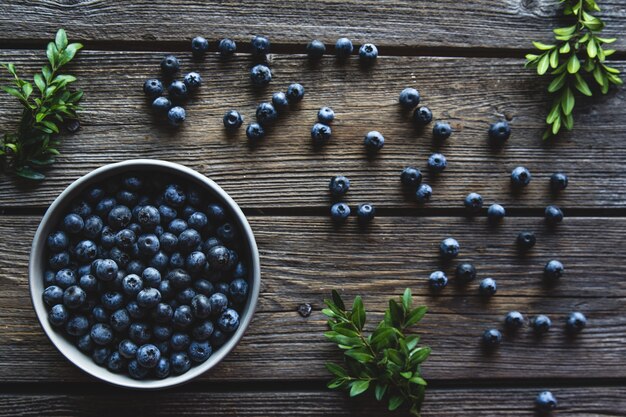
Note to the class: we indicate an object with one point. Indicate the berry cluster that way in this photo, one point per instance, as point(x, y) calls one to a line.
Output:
point(340, 211)
point(145, 276)
point(343, 49)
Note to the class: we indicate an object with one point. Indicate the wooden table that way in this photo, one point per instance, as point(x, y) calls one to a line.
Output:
point(466, 58)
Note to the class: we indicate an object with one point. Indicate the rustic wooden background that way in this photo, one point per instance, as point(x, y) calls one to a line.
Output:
point(466, 58)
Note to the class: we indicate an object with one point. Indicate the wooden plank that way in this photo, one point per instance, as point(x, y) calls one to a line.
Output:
point(397, 23)
point(604, 401)
point(286, 171)
point(303, 258)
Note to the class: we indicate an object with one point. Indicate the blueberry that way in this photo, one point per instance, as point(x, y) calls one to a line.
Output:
point(553, 215)
point(266, 114)
point(409, 98)
point(179, 362)
point(186, 295)
point(77, 326)
point(320, 134)
point(227, 47)
point(58, 315)
point(261, 74)
point(57, 241)
point(85, 344)
point(176, 116)
point(545, 402)
point(520, 177)
point(183, 317)
point(65, 278)
point(492, 338)
point(148, 245)
point(180, 341)
point(163, 313)
point(255, 132)
point(168, 242)
point(107, 237)
point(179, 90)
point(199, 351)
point(170, 65)
point(139, 333)
point(188, 240)
point(100, 355)
point(120, 320)
point(238, 290)
point(374, 141)
point(514, 320)
point(441, 131)
point(198, 221)
point(558, 181)
point(576, 321)
point(325, 115)
point(48, 276)
point(228, 322)
point(192, 80)
point(93, 227)
point(119, 217)
point(59, 260)
point(167, 213)
point(94, 194)
point(411, 177)
point(127, 198)
point(525, 240)
point(499, 132)
point(541, 324)
point(101, 334)
point(104, 206)
point(422, 116)
point(53, 294)
point(153, 88)
point(115, 362)
point(203, 330)
point(162, 369)
point(315, 49)
point(260, 45)
point(127, 349)
point(81, 208)
point(112, 300)
point(449, 248)
point(132, 284)
point(218, 338)
point(148, 297)
point(88, 283)
point(339, 185)
point(437, 280)
point(218, 303)
point(279, 101)
point(204, 287)
point(222, 287)
point(177, 226)
point(74, 297)
point(135, 311)
point(148, 356)
point(216, 213)
point(339, 212)
point(495, 212)
point(125, 239)
point(368, 53)
point(100, 314)
point(148, 217)
point(232, 120)
point(423, 193)
point(343, 48)
point(487, 287)
point(199, 46)
point(365, 213)
point(226, 233)
point(219, 258)
point(73, 223)
point(473, 202)
point(465, 272)
point(553, 270)
point(211, 243)
point(120, 257)
point(137, 371)
point(295, 93)
point(437, 163)
point(174, 195)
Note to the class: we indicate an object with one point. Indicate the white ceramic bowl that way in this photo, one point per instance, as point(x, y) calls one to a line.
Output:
point(57, 209)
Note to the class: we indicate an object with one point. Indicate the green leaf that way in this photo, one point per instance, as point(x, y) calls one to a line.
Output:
point(358, 313)
point(15, 93)
point(543, 64)
point(417, 380)
point(573, 64)
point(395, 402)
point(27, 88)
point(554, 113)
point(336, 369)
point(605, 86)
point(47, 73)
point(336, 383)
point(556, 126)
point(592, 49)
point(557, 83)
point(412, 341)
point(51, 53)
point(554, 58)
point(406, 375)
point(39, 82)
point(359, 387)
point(70, 51)
point(30, 174)
point(359, 355)
point(50, 125)
point(606, 40)
point(380, 391)
point(419, 355)
point(11, 68)
point(565, 30)
point(64, 79)
point(598, 76)
point(343, 340)
point(610, 70)
point(382, 335)
point(543, 46)
point(614, 79)
point(337, 300)
point(582, 86)
point(531, 57)
point(415, 316)
point(565, 48)
point(568, 121)
point(608, 52)
point(567, 101)
point(61, 39)
point(407, 300)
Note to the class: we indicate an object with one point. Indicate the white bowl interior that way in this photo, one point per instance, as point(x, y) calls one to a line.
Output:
point(49, 222)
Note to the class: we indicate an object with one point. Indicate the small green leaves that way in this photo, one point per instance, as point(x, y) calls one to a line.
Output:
point(388, 359)
point(60, 39)
point(578, 50)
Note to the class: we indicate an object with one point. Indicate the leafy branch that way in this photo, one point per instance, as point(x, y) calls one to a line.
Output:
point(45, 110)
point(577, 47)
point(387, 360)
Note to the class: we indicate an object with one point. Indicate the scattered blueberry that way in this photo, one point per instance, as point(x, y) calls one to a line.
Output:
point(545, 402)
point(553, 270)
point(261, 74)
point(441, 131)
point(553, 215)
point(176, 116)
point(558, 181)
point(295, 93)
point(365, 213)
point(192, 80)
point(161, 105)
point(411, 177)
point(473, 202)
point(305, 309)
point(487, 287)
point(409, 98)
point(526, 240)
point(255, 132)
point(576, 322)
point(170, 65)
point(153, 88)
point(320, 134)
point(422, 116)
point(178, 90)
point(340, 212)
point(315, 49)
point(368, 53)
point(495, 213)
point(279, 100)
point(374, 141)
point(199, 46)
point(325, 115)
point(499, 132)
point(423, 193)
point(437, 163)
point(465, 272)
point(492, 338)
point(339, 185)
point(227, 47)
point(266, 114)
point(449, 248)
point(343, 48)
point(437, 280)
point(514, 320)
point(520, 177)
point(260, 45)
point(541, 324)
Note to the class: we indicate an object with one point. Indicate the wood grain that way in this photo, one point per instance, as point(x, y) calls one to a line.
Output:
point(303, 258)
point(600, 401)
point(398, 23)
point(287, 172)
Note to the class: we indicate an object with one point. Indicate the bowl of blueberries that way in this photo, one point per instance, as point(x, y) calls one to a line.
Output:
point(144, 273)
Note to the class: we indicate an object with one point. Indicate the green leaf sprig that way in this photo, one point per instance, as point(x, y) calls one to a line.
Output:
point(577, 47)
point(387, 360)
point(45, 109)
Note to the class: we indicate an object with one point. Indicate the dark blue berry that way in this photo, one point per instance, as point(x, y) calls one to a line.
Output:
point(74, 297)
point(226, 233)
point(174, 195)
point(93, 227)
point(514, 320)
point(94, 194)
point(180, 341)
point(178, 90)
point(132, 284)
point(495, 212)
point(218, 303)
point(199, 46)
point(339, 185)
point(101, 334)
point(492, 338)
point(127, 349)
point(179, 278)
point(65, 278)
point(228, 321)
point(148, 297)
point(115, 362)
point(153, 88)
point(227, 47)
point(545, 402)
point(218, 338)
point(57, 241)
point(315, 49)
point(162, 333)
point(193, 81)
point(219, 258)
point(100, 355)
point(188, 240)
point(100, 314)
point(204, 287)
point(266, 114)
point(525, 240)
point(85, 344)
point(343, 48)
point(422, 116)
point(437, 280)
point(200, 306)
point(59, 260)
point(112, 300)
point(411, 177)
point(199, 351)
point(575, 323)
point(365, 213)
point(183, 317)
point(135, 311)
point(203, 330)
point(73, 223)
point(148, 356)
point(238, 290)
point(88, 283)
point(553, 215)
point(120, 320)
point(368, 53)
point(119, 217)
point(473, 202)
point(320, 134)
point(449, 248)
point(176, 116)
point(541, 324)
point(260, 45)
point(58, 315)
point(137, 371)
point(499, 132)
point(409, 98)
point(261, 74)
point(437, 163)
point(179, 362)
point(374, 141)
point(177, 226)
point(170, 65)
point(148, 245)
point(255, 132)
point(465, 272)
point(423, 193)
point(553, 270)
point(487, 287)
point(295, 93)
point(232, 120)
point(558, 181)
point(168, 242)
point(441, 131)
point(520, 177)
point(106, 270)
point(325, 115)
point(279, 101)
point(148, 217)
point(339, 212)
point(104, 206)
point(125, 239)
point(198, 221)
point(139, 333)
point(77, 326)
point(163, 313)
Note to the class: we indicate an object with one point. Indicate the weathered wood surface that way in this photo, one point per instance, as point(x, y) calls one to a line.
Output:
point(303, 258)
point(489, 24)
point(600, 401)
point(286, 171)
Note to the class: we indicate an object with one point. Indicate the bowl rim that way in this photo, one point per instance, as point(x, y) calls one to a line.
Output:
point(38, 248)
